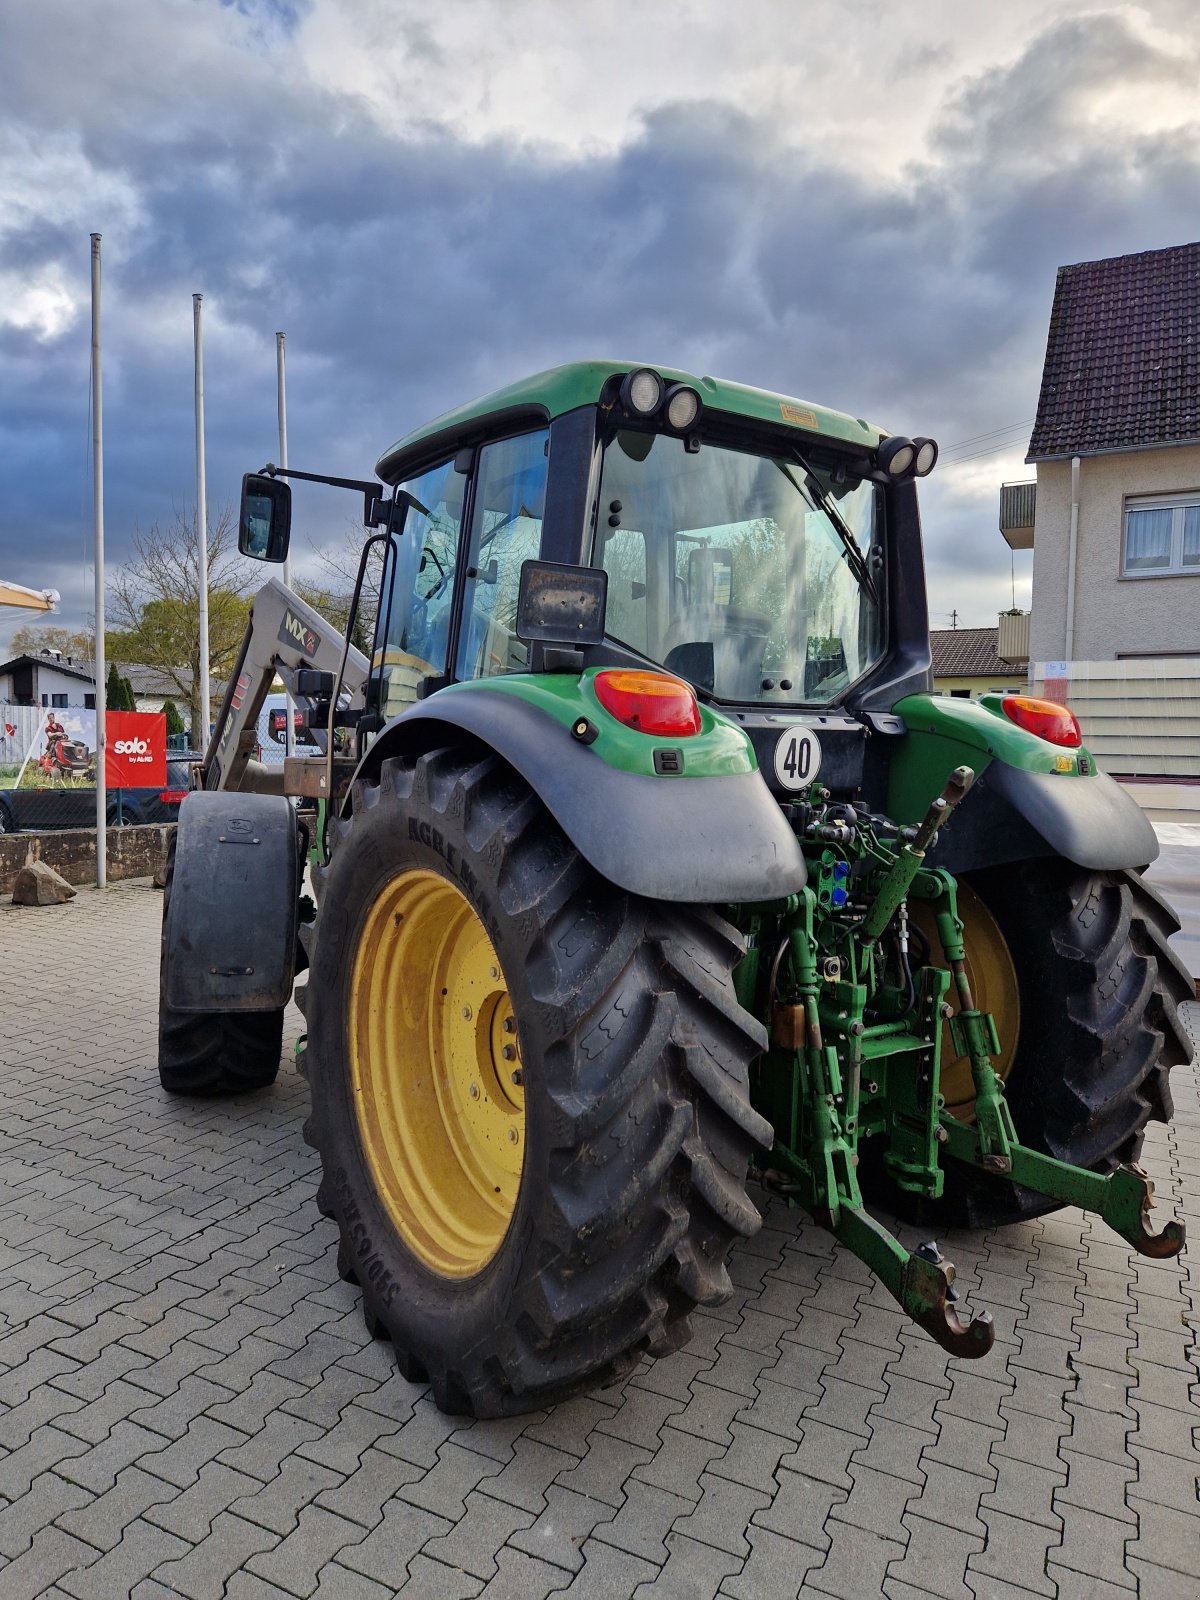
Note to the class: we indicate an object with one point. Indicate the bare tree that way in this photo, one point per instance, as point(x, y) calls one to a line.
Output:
point(154, 603)
point(332, 593)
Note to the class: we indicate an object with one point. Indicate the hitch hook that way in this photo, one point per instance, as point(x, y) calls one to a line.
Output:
point(926, 1296)
point(921, 1282)
point(1129, 1199)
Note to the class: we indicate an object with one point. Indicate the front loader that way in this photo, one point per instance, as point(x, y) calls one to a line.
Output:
point(654, 873)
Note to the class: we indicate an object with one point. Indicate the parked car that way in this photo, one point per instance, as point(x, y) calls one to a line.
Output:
point(272, 732)
point(74, 806)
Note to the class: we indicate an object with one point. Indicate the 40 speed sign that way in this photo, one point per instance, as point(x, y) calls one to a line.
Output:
point(797, 757)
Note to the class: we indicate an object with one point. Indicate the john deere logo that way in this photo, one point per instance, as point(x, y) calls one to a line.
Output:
point(295, 632)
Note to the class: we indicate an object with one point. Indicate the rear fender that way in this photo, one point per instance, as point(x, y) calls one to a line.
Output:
point(1030, 797)
point(1090, 821)
point(229, 941)
point(702, 839)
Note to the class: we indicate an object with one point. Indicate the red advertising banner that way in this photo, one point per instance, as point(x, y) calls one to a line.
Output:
point(136, 757)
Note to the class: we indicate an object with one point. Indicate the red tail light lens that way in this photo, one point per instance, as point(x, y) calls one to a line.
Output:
point(651, 702)
point(1049, 721)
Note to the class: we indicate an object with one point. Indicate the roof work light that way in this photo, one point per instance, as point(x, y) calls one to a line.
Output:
point(642, 391)
point(896, 456)
point(926, 457)
point(683, 407)
point(907, 458)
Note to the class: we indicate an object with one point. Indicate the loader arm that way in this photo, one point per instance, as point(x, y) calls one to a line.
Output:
point(284, 635)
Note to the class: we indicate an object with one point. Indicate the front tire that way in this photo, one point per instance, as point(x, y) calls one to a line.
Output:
point(213, 1052)
point(632, 1119)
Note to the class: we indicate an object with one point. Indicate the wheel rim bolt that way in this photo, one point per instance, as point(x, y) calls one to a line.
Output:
point(509, 1052)
point(513, 1136)
point(495, 971)
point(510, 1024)
point(518, 1077)
point(473, 1091)
point(467, 1013)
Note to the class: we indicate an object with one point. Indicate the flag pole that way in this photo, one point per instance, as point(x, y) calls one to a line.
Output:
point(201, 528)
point(98, 525)
point(289, 704)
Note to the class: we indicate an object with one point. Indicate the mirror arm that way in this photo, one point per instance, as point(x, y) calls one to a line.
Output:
point(376, 509)
point(272, 471)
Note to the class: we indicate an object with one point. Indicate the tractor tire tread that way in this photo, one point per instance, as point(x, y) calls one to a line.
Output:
point(645, 1053)
point(1094, 1068)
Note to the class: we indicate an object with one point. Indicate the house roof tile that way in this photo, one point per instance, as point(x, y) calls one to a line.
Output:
point(967, 653)
point(1122, 365)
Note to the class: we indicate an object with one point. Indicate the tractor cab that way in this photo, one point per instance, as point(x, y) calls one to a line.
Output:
point(753, 546)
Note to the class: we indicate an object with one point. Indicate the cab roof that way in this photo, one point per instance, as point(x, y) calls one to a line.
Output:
point(545, 395)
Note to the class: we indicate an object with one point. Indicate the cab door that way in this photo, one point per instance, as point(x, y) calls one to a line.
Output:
point(507, 512)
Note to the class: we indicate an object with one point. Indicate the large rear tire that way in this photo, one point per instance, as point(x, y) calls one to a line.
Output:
point(1098, 1030)
point(530, 1091)
point(213, 1052)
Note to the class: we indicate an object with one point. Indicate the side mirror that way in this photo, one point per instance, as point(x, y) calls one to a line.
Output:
point(265, 520)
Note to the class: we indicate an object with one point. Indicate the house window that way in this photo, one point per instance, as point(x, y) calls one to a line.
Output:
point(89, 702)
point(1162, 536)
point(59, 700)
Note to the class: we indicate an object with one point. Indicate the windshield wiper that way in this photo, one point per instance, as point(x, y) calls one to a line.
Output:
point(841, 527)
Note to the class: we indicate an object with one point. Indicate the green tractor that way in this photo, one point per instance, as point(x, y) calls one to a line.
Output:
point(652, 872)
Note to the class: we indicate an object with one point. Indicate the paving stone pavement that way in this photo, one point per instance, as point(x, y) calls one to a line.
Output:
point(190, 1405)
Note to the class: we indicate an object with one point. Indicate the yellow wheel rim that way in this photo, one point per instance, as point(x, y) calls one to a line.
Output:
point(994, 988)
point(436, 1073)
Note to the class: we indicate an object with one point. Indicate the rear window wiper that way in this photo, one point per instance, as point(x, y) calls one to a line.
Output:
point(841, 527)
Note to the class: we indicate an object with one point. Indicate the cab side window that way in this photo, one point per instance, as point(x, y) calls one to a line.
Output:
point(506, 530)
point(413, 632)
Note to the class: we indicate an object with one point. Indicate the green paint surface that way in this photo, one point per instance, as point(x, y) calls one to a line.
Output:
point(944, 733)
point(720, 749)
point(562, 389)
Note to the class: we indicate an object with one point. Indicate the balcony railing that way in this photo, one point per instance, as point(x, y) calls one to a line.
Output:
point(1018, 502)
point(1012, 640)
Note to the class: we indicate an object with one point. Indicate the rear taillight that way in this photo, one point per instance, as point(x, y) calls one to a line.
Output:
point(651, 702)
point(1049, 721)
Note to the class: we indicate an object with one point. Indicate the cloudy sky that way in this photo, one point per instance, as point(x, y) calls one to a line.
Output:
point(860, 204)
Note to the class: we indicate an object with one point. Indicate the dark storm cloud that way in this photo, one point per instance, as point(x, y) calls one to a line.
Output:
point(1042, 103)
point(411, 273)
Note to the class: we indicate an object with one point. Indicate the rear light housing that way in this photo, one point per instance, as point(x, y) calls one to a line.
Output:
point(1045, 718)
point(649, 702)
